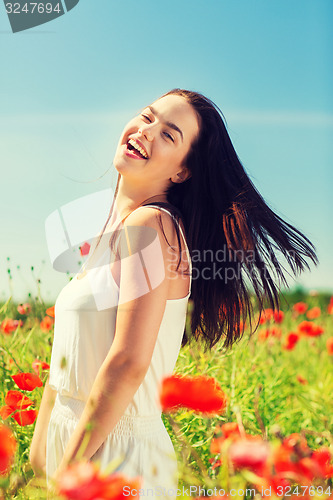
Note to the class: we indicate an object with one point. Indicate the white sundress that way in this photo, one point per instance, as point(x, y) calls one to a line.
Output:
point(83, 335)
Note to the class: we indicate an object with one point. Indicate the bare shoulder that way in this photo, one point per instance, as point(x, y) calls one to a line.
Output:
point(142, 231)
point(150, 217)
point(142, 227)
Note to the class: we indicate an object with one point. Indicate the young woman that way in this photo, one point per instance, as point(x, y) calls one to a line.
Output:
point(120, 324)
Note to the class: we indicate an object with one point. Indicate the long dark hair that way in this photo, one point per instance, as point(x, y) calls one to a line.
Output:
point(231, 233)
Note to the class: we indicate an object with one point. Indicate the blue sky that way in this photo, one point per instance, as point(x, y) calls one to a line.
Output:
point(68, 88)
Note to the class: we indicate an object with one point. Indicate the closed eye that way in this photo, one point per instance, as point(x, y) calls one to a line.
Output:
point(146, 117)
point(169, 136)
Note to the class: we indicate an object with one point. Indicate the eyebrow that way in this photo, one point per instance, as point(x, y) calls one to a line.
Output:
point(169, 124)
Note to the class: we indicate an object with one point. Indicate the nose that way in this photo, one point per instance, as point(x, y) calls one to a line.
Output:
point(146, 131)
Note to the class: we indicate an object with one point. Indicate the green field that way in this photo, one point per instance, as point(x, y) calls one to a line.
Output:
point(272, 392)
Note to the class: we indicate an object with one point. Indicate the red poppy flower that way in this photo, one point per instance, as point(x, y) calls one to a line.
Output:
point(46, 324)
point(50, 311)
point(38, 366)
point(296, 440)
point(294, 457)
point(309, 329)
point(323, 457)
point(266, 315)
point(216, 462)
point(6, 411)
point(84, 249)
point(250, 453)
point(230, 429)
point(24, 308)
point(17, 401)
point(278, 316)
point(283, 459)
point(7, 449)
point(274, 331)
point(329, 345)
point(82, 481)
point(313, 313)
point(198, 393)
point(305, 327)
point(300, 307)
point(263, 335)
point(26, 417)
point(309, 469)
point(113, 487)
point(27, 381)
point(10, 325)
point(223, 432)
point(301, 379)
point(291, 340)
point(316, 331)
point(273, 483)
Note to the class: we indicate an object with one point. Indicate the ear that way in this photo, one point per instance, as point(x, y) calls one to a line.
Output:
point(181, 176)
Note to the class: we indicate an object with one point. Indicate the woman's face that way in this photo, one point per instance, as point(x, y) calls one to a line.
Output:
point(155, 143)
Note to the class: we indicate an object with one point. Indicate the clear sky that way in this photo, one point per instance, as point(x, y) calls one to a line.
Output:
point(68, 87)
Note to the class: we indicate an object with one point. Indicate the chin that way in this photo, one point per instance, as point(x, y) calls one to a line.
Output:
point(118, 166)
point(121, 165)
point(118, 161)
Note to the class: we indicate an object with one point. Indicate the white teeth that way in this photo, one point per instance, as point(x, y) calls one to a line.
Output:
point(139, 148)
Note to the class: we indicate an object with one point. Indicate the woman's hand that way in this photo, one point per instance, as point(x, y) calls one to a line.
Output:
point(38, 461)
point(37, 455)
point(52, 489)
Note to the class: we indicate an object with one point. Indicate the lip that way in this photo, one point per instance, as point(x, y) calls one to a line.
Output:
point(130, 154)
point(140, 144)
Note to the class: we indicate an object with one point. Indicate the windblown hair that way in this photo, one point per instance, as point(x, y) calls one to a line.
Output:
point(224, 215)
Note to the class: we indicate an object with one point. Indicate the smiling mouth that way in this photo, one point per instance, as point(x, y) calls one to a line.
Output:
point(134, 147)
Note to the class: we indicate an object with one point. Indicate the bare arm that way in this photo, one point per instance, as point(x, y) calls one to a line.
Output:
point(137, 326)
point(37, 454)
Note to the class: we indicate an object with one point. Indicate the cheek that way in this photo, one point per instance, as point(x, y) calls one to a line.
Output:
point(130, 128)
point(170, 160)
point(168, 157)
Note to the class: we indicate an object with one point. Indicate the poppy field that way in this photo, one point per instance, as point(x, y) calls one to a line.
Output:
point(252, 422)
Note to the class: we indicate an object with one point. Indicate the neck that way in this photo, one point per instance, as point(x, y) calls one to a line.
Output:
point(131, 197)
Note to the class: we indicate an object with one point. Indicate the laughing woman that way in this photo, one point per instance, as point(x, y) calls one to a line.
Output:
point(120, 323)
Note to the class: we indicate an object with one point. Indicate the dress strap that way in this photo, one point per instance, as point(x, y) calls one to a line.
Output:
point(181, 232)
